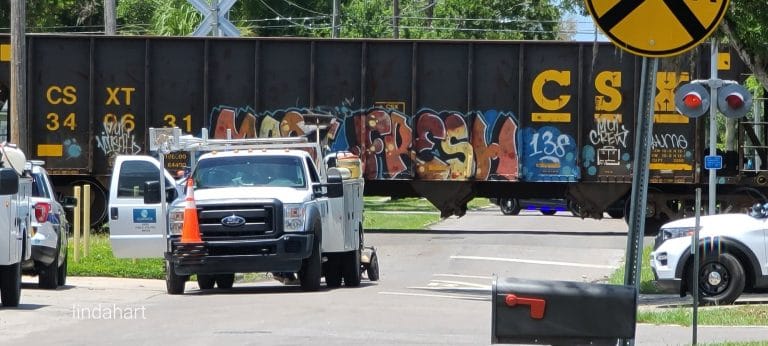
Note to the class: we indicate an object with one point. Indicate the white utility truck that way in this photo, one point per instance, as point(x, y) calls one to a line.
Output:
point(263, 205)
point(15, 245)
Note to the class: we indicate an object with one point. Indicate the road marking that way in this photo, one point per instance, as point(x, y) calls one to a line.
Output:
point(450, 288)
point(451, 296)
point(465, 276)
point(517, 260)
point(458, 283)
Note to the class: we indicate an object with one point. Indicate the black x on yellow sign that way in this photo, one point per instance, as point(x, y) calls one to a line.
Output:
point(657, 28)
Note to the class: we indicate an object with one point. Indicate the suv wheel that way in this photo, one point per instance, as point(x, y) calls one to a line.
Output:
point(62, 277)
point(509, 206)
point(721, 279)
point(47, 275)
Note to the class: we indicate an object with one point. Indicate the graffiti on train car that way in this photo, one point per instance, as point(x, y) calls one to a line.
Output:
point(607, 147)
point(432, 145)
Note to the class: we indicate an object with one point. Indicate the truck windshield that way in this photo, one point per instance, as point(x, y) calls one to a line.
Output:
point(236, 171)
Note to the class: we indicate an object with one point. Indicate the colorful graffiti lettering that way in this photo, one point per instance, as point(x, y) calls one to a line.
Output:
point(549, 155)
point(431, 145)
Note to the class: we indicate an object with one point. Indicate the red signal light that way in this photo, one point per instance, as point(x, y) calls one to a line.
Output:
point(734, 100)
point(692, 100)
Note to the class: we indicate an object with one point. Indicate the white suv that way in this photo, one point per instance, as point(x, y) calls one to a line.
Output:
point(48, 232)
point(733, 250)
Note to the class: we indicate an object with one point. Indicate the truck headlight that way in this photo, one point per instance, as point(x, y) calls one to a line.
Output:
point(671, 233)
point(175, 220)
point(293, 217)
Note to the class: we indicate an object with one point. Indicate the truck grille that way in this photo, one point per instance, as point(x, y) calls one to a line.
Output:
point(238, 221)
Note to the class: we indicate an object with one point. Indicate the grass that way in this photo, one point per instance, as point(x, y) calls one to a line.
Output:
point(413, 204)
point(738, 315)
point(646, 275)
point(378, 220)
point(382, 212)
point(101, 262)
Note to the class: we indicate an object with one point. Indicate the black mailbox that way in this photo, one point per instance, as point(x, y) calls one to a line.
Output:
point(561, 312)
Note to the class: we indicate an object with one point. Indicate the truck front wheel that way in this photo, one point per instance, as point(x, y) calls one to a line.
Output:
point(10, 284)
point(174, 283)
point(311, 268)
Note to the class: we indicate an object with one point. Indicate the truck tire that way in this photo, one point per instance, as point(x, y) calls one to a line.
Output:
point(373, 268)
point(333, 270)
point(311, 268)
point(205, 281)
point(351, 268)
point(10, 284)
point(48, 275)
point(174, 283)
point(61, 280)
point(225, 281)
point(721, 279)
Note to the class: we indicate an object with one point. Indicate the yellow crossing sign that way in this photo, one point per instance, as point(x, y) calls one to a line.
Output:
point(657, 28)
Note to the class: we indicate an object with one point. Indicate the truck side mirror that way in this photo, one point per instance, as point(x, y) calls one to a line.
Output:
point(9, 181)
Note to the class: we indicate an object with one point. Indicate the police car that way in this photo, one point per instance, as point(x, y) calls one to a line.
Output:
point(733, 250)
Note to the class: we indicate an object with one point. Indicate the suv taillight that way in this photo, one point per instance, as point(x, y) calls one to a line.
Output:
point(41, 211)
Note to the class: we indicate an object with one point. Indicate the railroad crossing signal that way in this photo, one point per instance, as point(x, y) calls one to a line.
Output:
point(215, 18)
point(655, 28)
point(693, 99)
point(734, 101)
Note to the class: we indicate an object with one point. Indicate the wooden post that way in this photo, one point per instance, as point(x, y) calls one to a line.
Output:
point(76, 222)
point(86, 218)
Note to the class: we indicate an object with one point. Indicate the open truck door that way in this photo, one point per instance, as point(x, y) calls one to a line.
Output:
point(137, 229)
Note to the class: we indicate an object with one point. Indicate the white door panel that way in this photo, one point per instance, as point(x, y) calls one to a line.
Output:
point(136, 229)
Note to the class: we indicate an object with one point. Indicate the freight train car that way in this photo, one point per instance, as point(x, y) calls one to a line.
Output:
point(446, 120)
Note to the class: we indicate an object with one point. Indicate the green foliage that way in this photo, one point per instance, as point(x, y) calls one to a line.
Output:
point(175, 18)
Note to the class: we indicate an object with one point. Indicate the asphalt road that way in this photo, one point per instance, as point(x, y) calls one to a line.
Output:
point(434, 289)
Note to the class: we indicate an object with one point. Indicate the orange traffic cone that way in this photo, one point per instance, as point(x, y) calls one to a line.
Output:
point(190, 231)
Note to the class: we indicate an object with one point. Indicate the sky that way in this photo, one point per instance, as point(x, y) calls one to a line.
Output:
point(585, 29)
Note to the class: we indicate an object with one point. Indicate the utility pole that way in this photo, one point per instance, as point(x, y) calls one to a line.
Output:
point(335, 22)
point(395, 19)
point(110, 23)
point(18, 117)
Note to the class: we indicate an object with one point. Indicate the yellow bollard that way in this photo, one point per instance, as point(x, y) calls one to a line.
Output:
point(86, 218)
point(76, 228)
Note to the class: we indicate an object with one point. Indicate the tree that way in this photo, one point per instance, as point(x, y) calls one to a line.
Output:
point(746, 26)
